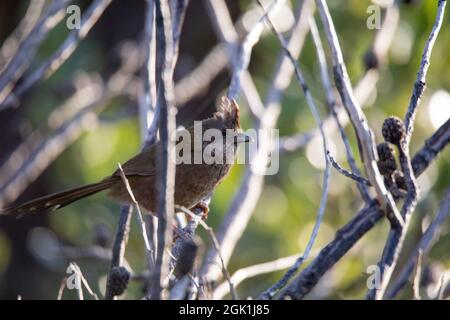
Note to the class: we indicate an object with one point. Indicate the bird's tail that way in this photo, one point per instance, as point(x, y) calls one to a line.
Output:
point(57, 200)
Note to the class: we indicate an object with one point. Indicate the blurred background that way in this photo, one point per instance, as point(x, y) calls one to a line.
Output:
point(35, 250)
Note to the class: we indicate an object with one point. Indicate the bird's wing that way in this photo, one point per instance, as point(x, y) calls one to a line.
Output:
point(143, 164)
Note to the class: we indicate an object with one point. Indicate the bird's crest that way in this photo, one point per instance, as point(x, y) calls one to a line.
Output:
point(228, 111)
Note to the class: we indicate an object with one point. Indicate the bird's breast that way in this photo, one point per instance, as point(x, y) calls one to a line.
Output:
point(193, 182)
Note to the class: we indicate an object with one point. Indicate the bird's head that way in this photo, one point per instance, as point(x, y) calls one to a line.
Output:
point(227, 114)
point(222, 133)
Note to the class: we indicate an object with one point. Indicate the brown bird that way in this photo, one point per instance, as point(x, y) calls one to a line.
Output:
point(193, 181)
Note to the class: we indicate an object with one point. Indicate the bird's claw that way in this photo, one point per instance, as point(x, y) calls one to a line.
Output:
point(204, 209)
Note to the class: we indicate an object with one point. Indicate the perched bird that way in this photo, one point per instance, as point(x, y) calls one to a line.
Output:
point(193, 181)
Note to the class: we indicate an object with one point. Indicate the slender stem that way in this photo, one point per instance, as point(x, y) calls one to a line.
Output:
point(347, 173)
point(246, 198)
point(120, 243)
point(357, 117)
point(331, 102)
point(425, 244)
point(270, 292)
point(165, 181)
point(21, 60)
point(347, 236)
point(397, 234)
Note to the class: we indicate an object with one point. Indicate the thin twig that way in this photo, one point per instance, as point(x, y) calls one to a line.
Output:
point(331, 102)
point(224, 28)
point(358, 119)
point(65, 133)
point(269, 293)
point(363, 89)
point(148, 110)
point(442, 286)
point(347, 173)
point(425, 244)
point(83, 281)
point(62, 286)
point(11, 44)
point(419, 85)
point(123, 225)
point(253, 271)
point(216, 246)
point(165, 181)
point(138, 210)
point(397, 235)
point(245, 51)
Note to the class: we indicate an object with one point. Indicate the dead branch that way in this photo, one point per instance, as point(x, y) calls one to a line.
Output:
point(347, 236)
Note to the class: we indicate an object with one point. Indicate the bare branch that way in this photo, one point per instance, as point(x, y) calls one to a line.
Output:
point(425, 244)
point(216, 246)
point(225, 30)
point(80, 111)
point(419, 85)
point(331, 102)
point(245, 51)
point(83, 281)
point(397, 234)
point(165, 179)
point(48, 150)
point(11, 44)
point(62, 286)
point(28, 47)
point(347, 173)
point(347, 236)
point(200, 78)
point(418, 275)
point(246, 198)
point(363, 89)
point(120, 242)
point(148, 109)
point(253, 271)
point(357, 117)
point(148, 115)
point(138, 210)
point(88, 20)
point(442, 286)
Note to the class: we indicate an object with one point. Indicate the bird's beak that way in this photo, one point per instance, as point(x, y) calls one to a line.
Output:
point(242, 137)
